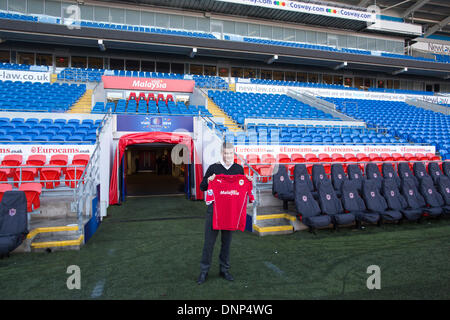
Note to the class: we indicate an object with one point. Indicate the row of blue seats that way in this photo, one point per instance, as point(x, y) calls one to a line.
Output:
point(110, 26)
point(253, 137)
point(240, 106)
point(332, 49)
point(301, 84)
point(27, 96)
point(401, 120)
point(132, 108)
point(47, 130)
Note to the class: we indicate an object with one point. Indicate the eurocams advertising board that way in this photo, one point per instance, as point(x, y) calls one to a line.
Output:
point(342, 149)
point(48, 150)
point(310, 8)
point(349, 94)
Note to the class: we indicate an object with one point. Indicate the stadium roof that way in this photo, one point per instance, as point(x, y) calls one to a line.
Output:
point(433, 15)
point(183, 46)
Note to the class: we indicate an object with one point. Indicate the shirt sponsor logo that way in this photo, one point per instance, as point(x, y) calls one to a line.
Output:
point(229, 192)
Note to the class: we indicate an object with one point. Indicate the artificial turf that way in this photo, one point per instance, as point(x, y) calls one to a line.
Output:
point(150, 248)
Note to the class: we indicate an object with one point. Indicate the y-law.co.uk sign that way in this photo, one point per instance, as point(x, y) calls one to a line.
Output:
point(132, 83)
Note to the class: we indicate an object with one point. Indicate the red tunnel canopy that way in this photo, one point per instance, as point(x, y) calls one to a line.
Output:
point(152, 137)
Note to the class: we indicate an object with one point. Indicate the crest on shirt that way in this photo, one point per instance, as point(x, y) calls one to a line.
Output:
point(241, 182)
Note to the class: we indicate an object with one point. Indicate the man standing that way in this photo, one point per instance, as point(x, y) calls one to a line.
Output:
point(225, 166)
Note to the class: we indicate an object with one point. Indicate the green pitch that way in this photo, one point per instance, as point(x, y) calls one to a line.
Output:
point(150, 248)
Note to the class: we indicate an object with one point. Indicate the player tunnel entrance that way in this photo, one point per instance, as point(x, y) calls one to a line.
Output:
point(183, 162)
point(151, 171)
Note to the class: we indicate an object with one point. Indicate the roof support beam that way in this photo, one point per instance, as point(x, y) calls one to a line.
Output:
point(414, 7)
point(437, 26)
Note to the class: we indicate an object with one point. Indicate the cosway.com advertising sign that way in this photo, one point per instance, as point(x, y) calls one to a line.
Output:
point(310, 8)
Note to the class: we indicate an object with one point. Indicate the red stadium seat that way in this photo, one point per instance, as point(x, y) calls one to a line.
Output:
point(349, 157)
point(142, 96)
point(421, 157)
point(80, 159)
point(32, 192)
point(59, 160)
point(4, 174)
point(252, 158)
point(268, 158)
point(325, 158)
point(265, 172)
point(49, 175)
point(410, 157)
point(73, 173)
point(12, 160)
point(398, 157)
point(3, 188)
point(169, 98)
point(386, 157)
point(432, 157)
point(310, 157)
point(374, 157)
point(151, 96)
point(283, 158)
point(24, 173)
point(237, 160)
point(132, 96)
point(337, 157)
point(37, 160)
point(297, 158)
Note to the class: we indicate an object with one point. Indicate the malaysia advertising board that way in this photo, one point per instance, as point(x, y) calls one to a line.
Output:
point(148, 84)
point(144, 123)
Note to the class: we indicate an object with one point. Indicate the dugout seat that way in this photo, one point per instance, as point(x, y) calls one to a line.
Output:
point(354, 204)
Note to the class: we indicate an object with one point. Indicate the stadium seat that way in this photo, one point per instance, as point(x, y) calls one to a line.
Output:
point(434, 171)
point(332, 206)
point(282, 186)
point(37, 160)
point(4, 174)
point(318, 175)
point(308, 209)
point(420, 171)
point(354, 173)
point(32, 192)
point(443, 186)
point(396, 201)
point(373, 173)
point(11, 160)
point(301, 176)
point(433, 199)
point(375, 202)
point(73, 175)
point(354, 204)
point(24, 173)
point(389, 173)
point(404, 172)
point(3, 188)
point(412, 196)
point(50, 177)
point(80, 159)
point(446, 168)
point(338, 177)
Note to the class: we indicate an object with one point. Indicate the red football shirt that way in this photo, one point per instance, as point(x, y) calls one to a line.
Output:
point(229, 194)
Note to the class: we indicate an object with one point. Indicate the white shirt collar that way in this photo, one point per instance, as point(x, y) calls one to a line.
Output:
point(223, 163)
